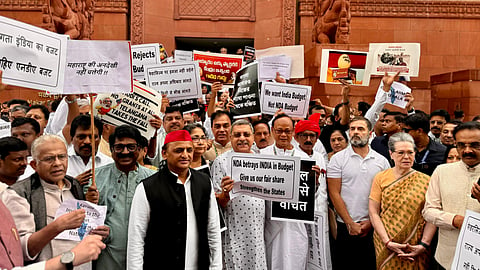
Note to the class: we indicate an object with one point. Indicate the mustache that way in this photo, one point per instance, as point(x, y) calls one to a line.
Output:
point(436, 128)
point(88, 146)
point(308, 143)
point(263, 140)
point(472, 155)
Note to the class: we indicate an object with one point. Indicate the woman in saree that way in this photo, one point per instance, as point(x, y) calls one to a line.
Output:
point(402, 237)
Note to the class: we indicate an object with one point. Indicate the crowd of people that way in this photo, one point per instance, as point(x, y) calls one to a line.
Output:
point(393, 186)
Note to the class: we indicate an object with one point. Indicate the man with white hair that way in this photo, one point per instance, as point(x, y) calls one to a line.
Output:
point(45, 191)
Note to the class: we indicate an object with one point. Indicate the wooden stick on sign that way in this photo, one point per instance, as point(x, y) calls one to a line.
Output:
point(92, 127)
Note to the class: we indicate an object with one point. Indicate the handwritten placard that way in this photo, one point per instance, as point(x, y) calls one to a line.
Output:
point(142, 55)
point(176, 80)
point(266, 177)
point(291, 98)
point(98, 67)
point(32, 57)
point(135, 109)
point(467, 253)
point(94, 217)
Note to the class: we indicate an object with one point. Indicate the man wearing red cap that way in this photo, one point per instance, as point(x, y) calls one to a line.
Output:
point(174, 217)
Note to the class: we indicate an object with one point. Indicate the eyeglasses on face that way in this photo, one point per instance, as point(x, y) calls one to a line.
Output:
point(473, 145)
point(131, 147)
point(51, 159)
point(197, 139)
point(306, 136)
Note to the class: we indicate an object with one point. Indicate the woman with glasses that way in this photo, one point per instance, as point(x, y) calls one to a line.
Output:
point(197, 132)
point(402, 237)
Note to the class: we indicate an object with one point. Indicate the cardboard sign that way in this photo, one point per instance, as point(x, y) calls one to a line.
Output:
point(350, 66)
point(217, 67)
point(296, 52)
point(183, 56)
point(268, 66)
point(98, 67)
point(94, 216)
point(185, 105)
point(304, 209)
point(467, 253)
point(395, 57)
point(397, 93)
point(245, 92)
point(248, 54)
point(317, 258)
point(293, 99)
point(5, 129)
point(135, 109)
point(266, 177)
point(142, 55)
point(176, 80)
point(32, 57)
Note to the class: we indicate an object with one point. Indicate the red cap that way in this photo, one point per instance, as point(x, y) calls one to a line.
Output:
point(309, 125)
point(178, 136)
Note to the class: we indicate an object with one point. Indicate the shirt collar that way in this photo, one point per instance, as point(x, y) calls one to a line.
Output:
point(178, 180)
point(54, 187)
point(352, 153)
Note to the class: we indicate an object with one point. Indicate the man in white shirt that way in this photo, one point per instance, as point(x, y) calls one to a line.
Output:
point(174, 216)
point(350, 174)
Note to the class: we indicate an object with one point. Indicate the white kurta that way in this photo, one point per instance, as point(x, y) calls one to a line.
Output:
point(243, 241)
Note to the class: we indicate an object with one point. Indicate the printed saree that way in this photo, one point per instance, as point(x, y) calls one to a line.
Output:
point(401, 213)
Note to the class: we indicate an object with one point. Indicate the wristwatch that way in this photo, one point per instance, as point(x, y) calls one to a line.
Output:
point(67, 259)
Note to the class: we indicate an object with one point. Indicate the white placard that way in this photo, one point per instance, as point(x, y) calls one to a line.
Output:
point(142, 55)
point(5, 129)
point(183, 56)
point(98, 67)
point(396, 95)
point(94, 217)
point(32, 57)
point(135, 109)
point(176, 80)
point(317, 259)
point(467, 253)
point(296, 52)
point(268, 66)
point(293, 99)
point(266, 177)
point(394, 57)
point(351, 66)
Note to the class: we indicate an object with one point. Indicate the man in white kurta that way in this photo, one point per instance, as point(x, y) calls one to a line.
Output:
point(243, 241)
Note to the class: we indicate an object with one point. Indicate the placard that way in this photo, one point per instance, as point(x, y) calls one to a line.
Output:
point(176, 80)
point(351, 66)
point(245, 92)
point(467, 253)
point(142, 55)
point(185, 105)
point(317, 258)
point(293, 99)
point(135, 109)
point(268, 66)
point(217, 67)
point(5, 129)
point(248, 54)
point(396, 95)
point(395, 57)
point(98, 67)
point(183, 56)
point(32, 57)
point(304, 210)
point(94, 217)
point(266, 177)
point(296, 52)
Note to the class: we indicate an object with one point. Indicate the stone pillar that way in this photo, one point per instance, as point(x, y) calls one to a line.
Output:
point(306, 15)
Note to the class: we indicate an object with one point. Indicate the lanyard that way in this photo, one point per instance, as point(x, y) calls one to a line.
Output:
point(423, 161)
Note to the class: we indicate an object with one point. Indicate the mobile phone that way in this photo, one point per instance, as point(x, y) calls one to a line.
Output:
point(478, 182)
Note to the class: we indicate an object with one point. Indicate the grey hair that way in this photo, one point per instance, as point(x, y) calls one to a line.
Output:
point(44, 139)
point(399, 137)
point(241, 122)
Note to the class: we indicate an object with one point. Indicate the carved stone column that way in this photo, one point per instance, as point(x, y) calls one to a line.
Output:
point(306, 13)
point(288, 24)
point(137, 23)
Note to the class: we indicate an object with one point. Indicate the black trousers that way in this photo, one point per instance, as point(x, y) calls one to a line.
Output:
point(353, 252)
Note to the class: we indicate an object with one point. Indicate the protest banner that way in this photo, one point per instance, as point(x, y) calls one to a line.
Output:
point(183, 56)
point(176, 80)
point(248, 54)
point(98, 67)
point(5, 129)
point(135, 109)
point(185, 105)
point(245, 92)
point(317, 259)
point(351, 66)
point(304, 209)
point(467, 252)
point(32, 57)
point(397, 93)
point(291, 98)
point(94, 217)
point(295, 52)
point(268, 66)
point(142, 55)
point(394, 57)
point(266, 177)
point(217, 67)
point(164, 54)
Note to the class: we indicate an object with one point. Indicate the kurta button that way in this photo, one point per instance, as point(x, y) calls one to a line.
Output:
point(119, 181)
point(114, 196)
